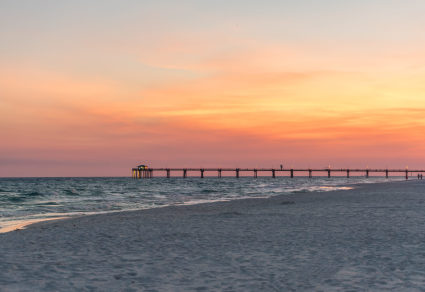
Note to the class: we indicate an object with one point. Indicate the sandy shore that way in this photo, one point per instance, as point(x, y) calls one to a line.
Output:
point(369, 238)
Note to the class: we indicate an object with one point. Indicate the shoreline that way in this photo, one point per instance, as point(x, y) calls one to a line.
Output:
point(24, 224)
point(369, 237)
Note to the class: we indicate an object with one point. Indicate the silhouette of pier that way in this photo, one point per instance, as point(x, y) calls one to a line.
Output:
point(145, 172)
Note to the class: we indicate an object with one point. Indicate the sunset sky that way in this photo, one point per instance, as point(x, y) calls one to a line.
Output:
point(93, 88)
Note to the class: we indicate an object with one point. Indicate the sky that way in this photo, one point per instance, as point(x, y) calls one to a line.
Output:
point(94, 88)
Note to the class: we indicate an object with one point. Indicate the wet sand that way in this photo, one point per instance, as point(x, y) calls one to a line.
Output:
point(369, 238)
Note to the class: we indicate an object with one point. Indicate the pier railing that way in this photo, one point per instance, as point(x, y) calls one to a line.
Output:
point(149, 172)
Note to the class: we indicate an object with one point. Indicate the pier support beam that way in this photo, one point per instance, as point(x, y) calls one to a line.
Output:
point(348, 173)
point(202, 172)
point(168, 172)
point(273, 173)
point(386, 173)
point(255, 173)
point(367, 173)
point(237, 172)
point(219, 173)
point(310, 173)
point(184, 173)
point(329, 173)
point(292, 173)
point(407, 174)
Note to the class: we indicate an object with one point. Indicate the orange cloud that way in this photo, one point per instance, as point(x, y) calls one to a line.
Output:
point(242, 110)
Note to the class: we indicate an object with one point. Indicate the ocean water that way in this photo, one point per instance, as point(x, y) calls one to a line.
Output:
point(31, 199)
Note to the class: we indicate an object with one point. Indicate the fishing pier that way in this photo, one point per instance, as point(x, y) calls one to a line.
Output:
point(143, 171)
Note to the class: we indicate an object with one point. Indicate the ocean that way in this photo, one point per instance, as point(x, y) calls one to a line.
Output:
point(33, 199)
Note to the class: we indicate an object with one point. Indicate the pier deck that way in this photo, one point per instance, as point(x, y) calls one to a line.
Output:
point(149, 172)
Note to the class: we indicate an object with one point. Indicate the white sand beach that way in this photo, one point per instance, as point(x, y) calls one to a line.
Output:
point(368, 238)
